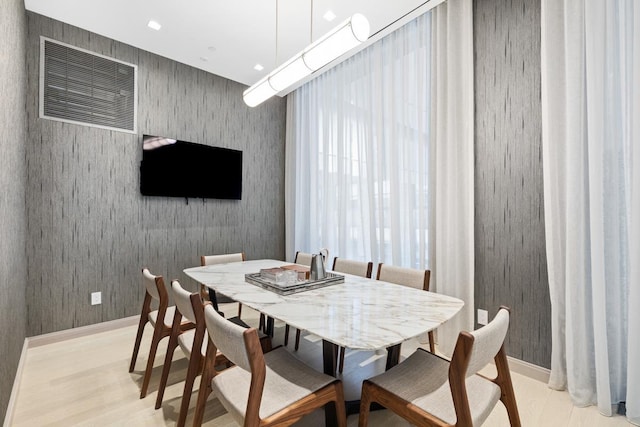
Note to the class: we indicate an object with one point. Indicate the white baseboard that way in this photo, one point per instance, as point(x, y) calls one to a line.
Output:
point(82, 331)
point(529, 369)
point(8, 417)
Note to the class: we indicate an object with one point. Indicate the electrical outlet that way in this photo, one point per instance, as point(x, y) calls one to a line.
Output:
point(483, 317)
point(96, 298)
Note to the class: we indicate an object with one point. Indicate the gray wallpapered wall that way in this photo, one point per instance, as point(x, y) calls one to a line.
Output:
point(90, 229)
point(13, 268)
point(510, 251)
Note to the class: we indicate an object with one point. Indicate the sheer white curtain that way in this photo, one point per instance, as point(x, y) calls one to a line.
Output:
point(452, 170)
point(379, 162)
point(358, 154)
point(591, 137)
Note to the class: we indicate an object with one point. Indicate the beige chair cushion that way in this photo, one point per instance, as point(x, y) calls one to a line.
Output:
point(487, 342)
point(357, 268)
point(423, 379)
point(149, 281)
point(303, 258)
point(287, 381)
point(168, 316)
point(185, 341)
point(223, 259)
point(410, 277)
point(182, 298)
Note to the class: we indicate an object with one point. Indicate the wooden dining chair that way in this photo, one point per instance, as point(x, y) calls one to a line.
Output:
point(411, 277)
point(219, 259)
point(427, 390)
point(262, 389)
point(160, 319)
point(301, 258)
point(192, 342)
point(357, 268)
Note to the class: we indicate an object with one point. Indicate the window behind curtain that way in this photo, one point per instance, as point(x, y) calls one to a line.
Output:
point(361, 134)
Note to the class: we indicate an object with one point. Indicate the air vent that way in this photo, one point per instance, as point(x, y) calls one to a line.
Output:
point(81, 87)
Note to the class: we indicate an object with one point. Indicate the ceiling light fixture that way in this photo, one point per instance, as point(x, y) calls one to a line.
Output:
point(154, 25)
point(258, 67)
point(336, 42)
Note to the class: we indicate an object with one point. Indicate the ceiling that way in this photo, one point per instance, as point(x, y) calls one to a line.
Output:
point(225, 37)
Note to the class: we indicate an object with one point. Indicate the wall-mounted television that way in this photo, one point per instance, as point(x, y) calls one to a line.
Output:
point(174, 168)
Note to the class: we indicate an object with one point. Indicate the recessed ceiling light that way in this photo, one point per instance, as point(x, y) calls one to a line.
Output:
point(204, 59)
point(258, 67)
point(212, 48)
point(329, 16)
point(154, 25)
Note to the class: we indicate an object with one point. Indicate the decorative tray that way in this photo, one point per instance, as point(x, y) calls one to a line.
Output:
point(288, 288)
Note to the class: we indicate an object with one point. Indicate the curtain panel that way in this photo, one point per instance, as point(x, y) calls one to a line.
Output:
point(591, 151)
point(363, 176)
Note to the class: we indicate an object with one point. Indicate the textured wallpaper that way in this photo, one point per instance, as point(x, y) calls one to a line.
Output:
point(509, 217)
point(13, 268)
point(90, 229)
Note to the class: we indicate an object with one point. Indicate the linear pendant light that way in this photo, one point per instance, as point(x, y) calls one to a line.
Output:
point(336, 42)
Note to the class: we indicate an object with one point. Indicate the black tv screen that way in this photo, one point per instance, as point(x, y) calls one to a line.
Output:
point(175, 168)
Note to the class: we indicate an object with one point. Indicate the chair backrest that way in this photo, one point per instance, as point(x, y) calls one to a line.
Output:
point(357, 268)
point(182, 299)
point(410, 277)
point(486, 342)
point(221, 259)
point(154, 286)
point(229, 338)
point(303, 258)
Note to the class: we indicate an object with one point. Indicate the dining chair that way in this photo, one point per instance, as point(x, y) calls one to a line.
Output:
point(189, 307)
point(219, 259)
point(262, 389)
point(357, 268)
point(160, 320)
point(411, 277)
point(222, 259)
point(301, 258)
point(427, 390)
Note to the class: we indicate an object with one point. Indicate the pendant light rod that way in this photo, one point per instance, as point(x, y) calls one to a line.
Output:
point(349, 34)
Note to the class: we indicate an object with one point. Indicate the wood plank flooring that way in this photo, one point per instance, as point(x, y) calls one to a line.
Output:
point(84, 382)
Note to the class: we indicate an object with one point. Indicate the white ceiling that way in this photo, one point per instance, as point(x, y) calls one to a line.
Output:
point(225, 37)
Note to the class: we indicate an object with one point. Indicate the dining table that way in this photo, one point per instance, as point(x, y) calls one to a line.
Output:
point(359, 313)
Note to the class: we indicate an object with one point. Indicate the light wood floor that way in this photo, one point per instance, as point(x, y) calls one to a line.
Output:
point(84, 382)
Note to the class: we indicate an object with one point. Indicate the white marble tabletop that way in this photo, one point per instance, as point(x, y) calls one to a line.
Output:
point(360, 313)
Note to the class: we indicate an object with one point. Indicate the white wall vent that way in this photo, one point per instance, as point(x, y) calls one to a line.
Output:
point(82, 87)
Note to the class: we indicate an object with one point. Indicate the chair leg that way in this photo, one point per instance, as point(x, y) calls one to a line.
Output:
point(432, 343)
point(365, 404)
point(508, 396)
point(341, 364)
point(205, 385)
point(157, 336)
point(262, 324)
point(297, 339)
point(195, 367)
point(286, 335)
point(239, 309)
point(168, 359)
point(341, 410)
point(136, 347)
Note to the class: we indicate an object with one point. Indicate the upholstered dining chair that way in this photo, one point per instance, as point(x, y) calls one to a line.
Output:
point(427, 390)
point(410, 277)
point(357, 268)
point(160, 319)
point(220, 259)
point(193, 343)
point(301, 258)
point(262, 389)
